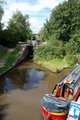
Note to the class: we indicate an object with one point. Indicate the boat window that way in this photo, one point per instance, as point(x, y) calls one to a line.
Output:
point(66, 92)
point(64, 88)
point(57, 91)
point(63, 91)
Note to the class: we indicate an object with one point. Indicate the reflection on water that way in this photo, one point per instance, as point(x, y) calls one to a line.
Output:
point(3, 112)
point(34, 77)
point(25, 79)
point(8, 84)
point(19, 103)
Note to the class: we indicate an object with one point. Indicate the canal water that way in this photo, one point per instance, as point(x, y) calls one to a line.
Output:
point(22, 88)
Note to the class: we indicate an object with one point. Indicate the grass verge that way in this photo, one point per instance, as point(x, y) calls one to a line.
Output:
point(3, 53)
point(54, 65)
point(10, 60)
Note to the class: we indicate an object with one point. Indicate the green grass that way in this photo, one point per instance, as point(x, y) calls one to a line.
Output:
point(54, 65)
point(3, 53)
point(10, 60)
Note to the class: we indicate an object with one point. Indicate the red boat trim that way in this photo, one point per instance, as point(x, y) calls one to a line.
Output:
point(55, 113)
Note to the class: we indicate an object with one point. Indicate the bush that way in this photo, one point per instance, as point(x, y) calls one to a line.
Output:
point(71, 59)
point(3, 52)
point(50, 51)
point(73, 46)
point(10, 60)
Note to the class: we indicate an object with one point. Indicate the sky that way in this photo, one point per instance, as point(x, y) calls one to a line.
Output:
point(38, 11)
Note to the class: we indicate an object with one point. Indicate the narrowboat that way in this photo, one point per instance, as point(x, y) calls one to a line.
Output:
point(55, 106)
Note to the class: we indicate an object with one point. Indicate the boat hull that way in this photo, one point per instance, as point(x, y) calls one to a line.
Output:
point(53, 115)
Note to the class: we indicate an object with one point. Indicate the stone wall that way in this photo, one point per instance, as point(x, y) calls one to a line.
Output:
point(23, 53)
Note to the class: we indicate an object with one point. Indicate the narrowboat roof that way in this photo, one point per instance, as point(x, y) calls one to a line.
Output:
point(72, 79)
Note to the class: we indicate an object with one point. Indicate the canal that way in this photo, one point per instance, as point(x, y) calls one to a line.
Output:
point(22, 88)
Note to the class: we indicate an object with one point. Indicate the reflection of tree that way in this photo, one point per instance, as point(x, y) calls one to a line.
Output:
point(34, 78)
point(22, 78)
point(18, 76)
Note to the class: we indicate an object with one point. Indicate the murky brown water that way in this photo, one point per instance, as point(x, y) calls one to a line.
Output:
point(21, 91)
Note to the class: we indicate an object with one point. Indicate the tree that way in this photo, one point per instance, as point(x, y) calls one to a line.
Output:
point(62, 32)
point(73, 46)
point(1, 13)
point(19, 28)
point(64, 21)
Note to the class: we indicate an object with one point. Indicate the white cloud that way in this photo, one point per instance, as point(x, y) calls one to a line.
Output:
point(33, 10)
point(36, 23)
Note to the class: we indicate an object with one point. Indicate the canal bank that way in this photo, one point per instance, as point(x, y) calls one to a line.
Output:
point(15, 56)
point(27, 85)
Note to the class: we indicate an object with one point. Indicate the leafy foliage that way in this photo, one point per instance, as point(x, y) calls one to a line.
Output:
point(64, 21)
point(3, 52)
point(1, 13)
point(73, 46)
point(63, 25)
point(50, 51)
point(71, 59)
point(10, 60)
point(18, 29)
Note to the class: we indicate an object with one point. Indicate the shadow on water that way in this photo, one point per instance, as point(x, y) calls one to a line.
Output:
point(3, 112)
point(24, 79)
point(22, 103)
